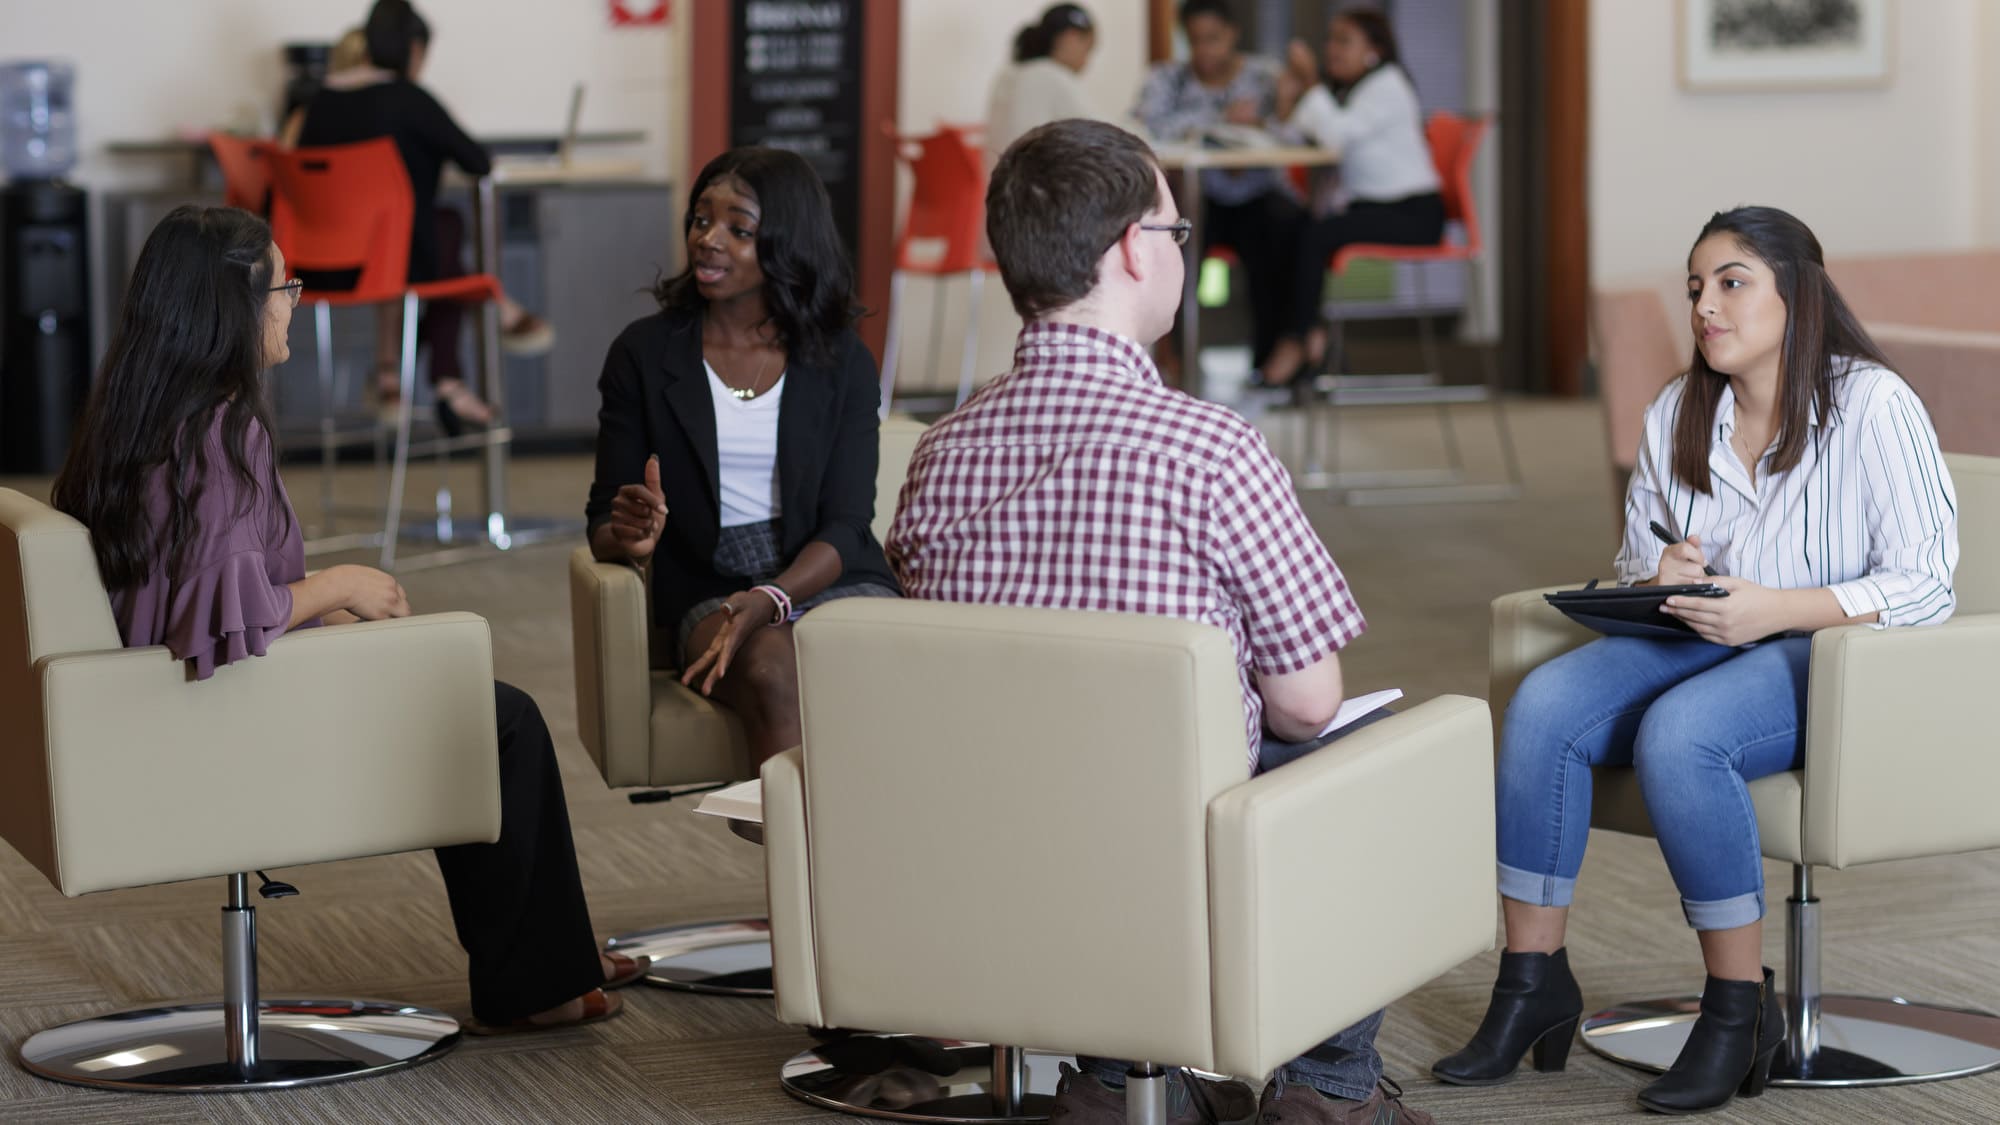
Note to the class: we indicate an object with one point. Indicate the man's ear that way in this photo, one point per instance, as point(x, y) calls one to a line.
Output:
point(1126, 252)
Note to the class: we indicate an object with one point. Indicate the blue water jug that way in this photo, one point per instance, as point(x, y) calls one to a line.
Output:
point(37, 129)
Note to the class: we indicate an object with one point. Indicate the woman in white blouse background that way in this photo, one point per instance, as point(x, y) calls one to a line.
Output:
point(1368, 110)
point(1792, 461)
point(1042, 84)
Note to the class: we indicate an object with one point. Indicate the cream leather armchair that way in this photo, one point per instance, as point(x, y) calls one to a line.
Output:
point(643, 728)
point(120, 771)
point(1899, 764)
point(1036, 827)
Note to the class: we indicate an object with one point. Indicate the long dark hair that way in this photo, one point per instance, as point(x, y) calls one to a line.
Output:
point(189, 342)
point(808, 281)
point(1821, 334)
point(393, 28)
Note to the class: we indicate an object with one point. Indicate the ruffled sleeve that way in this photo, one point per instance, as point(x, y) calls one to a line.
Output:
point(226, 611)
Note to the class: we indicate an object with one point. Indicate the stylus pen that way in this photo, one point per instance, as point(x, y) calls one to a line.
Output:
point(1667, 537)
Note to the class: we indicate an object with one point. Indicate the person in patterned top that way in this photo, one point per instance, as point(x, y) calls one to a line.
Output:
point(1079, 480)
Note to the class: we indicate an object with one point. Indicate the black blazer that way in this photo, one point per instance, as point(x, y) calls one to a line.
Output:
point(656, 400)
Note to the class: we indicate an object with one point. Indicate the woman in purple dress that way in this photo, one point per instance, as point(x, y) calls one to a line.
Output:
point(172, 470)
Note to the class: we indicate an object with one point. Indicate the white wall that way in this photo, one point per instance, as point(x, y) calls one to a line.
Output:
point(149, 69)
point(1871, 171)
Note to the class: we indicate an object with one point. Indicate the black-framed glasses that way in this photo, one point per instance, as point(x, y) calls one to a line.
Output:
point(1179, 230)
point(293, 289)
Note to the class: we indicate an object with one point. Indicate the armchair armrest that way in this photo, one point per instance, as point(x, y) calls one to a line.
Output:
point(1900, 757)
point(1402, 810)
point(341, 742)
point(614, 683)
point(1527, 633)
point(788, 890)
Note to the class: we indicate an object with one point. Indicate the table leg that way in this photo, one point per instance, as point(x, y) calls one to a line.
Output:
point(1191, 210)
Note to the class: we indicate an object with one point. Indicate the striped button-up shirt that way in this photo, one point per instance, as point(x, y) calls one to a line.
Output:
point(1868, 512)
point(1079, 481)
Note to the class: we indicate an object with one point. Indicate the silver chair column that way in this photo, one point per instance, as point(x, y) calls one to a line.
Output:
point(1830, 1040)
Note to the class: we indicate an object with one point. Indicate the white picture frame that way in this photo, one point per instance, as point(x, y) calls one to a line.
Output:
point(1758, 45)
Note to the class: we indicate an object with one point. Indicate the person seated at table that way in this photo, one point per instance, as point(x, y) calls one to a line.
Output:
point(172, 469)
point(347, 67)
point(1041, 84)
point(1794, 462)
point(1368, 111)
point(1252, 211)
point(384, 100)
point(738, 438)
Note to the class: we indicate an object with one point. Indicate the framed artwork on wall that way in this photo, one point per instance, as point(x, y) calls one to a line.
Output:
point(1750, 45)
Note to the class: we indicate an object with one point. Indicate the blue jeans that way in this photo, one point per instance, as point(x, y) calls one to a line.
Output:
point(1346, 1065)
point(1697, 721)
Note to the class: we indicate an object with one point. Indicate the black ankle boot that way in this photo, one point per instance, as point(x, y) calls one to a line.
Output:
point(1728, 1051)
point(1535, 1003)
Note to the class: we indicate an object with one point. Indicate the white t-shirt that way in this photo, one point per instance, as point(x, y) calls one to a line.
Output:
point(746, 450)
point(1028, 95)
point(1379, 132)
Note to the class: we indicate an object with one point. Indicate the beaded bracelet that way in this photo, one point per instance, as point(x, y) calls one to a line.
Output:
point(777, 595)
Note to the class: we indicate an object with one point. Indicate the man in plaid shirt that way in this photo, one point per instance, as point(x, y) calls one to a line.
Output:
point(1078, 480)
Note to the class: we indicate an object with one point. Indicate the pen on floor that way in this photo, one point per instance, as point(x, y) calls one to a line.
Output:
point(1667, 537)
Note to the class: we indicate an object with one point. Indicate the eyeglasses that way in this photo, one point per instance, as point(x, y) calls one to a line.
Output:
point(292, 288)
point(1179, 230)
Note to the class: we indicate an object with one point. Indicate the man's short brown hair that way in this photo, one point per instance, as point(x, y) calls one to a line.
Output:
point(1060, 197)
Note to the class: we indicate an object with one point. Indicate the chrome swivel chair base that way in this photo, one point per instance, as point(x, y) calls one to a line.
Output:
point(1863, 1040)
point(185, 1048)
point(728, 958)
point(912, 1078)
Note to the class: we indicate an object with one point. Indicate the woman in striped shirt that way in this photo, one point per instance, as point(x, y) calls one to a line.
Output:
point(1793, 462)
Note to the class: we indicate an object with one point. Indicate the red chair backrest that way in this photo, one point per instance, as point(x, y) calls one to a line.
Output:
point(246, 179)
point(1454, 142)
point(345, 207)
point(947, 202)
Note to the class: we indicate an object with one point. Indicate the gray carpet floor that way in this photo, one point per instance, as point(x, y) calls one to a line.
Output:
point(1423, 573)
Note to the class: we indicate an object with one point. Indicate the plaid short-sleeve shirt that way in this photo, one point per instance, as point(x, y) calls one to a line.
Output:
point(1078, 480)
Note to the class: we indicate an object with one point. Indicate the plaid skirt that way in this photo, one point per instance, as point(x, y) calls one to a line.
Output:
point(750, 552)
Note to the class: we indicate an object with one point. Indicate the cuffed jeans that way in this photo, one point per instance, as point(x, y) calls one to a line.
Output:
point(1346, 1065)
point(1696, 721)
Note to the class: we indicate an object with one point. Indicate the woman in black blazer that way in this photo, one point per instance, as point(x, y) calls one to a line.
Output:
point(747, 408)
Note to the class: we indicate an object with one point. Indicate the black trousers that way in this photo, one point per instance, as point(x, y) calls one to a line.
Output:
point(518, 902)
point(1265, 234)
point(1414, 221)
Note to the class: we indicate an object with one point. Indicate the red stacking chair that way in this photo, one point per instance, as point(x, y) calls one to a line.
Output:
point(1454, 143)
point(246, 177)
point(349, 208)
point(941, 238)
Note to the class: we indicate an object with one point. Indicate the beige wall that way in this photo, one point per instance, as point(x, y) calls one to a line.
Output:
point(1913, 166)
point(152, 68)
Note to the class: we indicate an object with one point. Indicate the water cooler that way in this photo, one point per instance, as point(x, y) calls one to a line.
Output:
point(45, 358)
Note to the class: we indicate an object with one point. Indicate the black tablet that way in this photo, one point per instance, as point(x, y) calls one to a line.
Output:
point(1631, 611)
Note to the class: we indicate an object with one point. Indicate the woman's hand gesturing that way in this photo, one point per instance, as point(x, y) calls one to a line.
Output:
point(639, 514)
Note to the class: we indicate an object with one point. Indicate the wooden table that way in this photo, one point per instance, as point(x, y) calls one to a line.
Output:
point(1191, 161)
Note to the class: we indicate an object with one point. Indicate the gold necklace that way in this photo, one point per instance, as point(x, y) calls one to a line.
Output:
point(745, 394)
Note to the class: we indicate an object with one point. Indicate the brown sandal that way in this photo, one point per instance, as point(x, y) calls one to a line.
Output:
point(597, 1005)
point(625, 970)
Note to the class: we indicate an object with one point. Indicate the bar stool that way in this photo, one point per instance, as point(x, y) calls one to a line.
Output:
point(349, 208)
point(941, 239)
point(1454, 144)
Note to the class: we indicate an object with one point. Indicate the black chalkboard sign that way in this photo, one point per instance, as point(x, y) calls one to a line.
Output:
point(797, 85)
